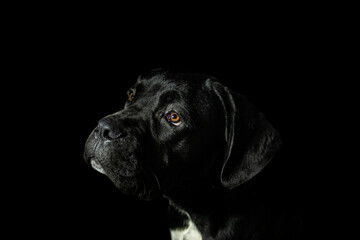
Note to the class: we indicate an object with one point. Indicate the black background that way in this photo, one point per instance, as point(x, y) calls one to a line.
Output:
point(74, 72)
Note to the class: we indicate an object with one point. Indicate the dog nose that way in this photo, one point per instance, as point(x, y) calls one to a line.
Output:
point(107, 130)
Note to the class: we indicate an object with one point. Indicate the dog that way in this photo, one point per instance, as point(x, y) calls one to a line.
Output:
point(192, 140)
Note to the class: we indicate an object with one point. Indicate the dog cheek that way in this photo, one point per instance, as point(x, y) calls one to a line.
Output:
point(182, 148)
point(127, 166)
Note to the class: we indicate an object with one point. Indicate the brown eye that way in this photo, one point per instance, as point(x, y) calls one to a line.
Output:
point(174, 118)
point(131, 96)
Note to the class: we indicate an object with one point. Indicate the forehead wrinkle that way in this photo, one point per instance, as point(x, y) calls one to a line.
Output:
point(154, 90)
point(159, 89)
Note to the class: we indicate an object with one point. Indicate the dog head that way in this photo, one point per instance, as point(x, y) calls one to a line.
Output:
point(177, 129)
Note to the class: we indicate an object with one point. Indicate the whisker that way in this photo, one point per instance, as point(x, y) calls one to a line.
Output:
point(157, 180)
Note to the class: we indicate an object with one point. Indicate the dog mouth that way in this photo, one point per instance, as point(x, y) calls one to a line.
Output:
point(144, 185)
point(96, 165)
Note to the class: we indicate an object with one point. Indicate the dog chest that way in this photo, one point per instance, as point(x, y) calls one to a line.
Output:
point(190, 233)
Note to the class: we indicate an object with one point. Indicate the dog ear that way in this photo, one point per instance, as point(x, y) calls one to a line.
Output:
point(251, 141)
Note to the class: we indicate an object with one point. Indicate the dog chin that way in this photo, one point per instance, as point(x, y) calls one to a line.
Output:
point(144, 185)
point(147, 194)
point(140, 189)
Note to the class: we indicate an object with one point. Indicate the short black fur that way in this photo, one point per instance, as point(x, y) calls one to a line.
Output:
point(200, 165)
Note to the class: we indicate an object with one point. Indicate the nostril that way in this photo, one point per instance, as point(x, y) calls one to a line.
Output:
point(110, 135)
point(110, 130)
point(105, 134)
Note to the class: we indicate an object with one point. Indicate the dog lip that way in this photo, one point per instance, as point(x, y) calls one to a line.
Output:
point(96, 165)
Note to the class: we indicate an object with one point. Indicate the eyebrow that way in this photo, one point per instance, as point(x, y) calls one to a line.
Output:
point(169, 96)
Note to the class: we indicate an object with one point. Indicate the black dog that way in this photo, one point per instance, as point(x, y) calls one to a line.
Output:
point(192, 140)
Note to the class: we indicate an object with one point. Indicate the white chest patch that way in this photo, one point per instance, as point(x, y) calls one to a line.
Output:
point(190, 233)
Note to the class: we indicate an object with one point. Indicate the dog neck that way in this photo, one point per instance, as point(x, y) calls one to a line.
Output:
point(206, 205)
point(194, 197)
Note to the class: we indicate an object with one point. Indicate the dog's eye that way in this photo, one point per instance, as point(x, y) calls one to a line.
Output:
point(131, 96)
point(173, 118)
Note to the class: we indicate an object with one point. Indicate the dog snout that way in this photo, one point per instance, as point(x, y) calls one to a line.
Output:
point(109, 130)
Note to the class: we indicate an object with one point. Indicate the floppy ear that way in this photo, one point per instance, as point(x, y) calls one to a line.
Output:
point(251, 141)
